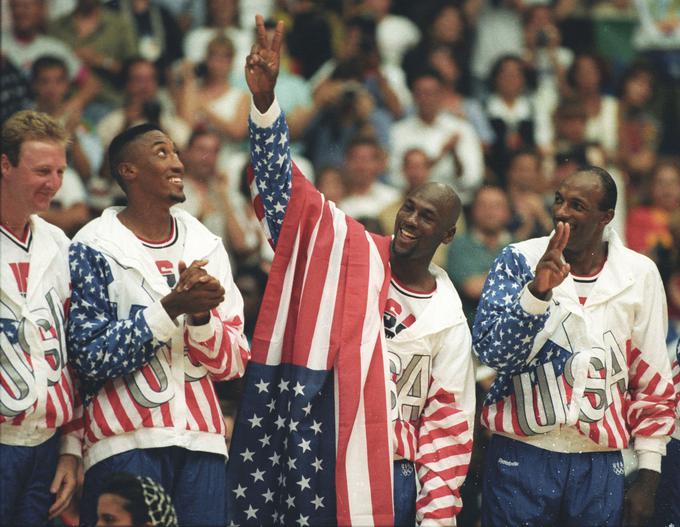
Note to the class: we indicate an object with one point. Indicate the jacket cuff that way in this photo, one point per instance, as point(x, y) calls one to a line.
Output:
point(70, 444)
point(201, 333)
point(649, 460)
point(161, 325)
point(531, 304)
point(266, 119)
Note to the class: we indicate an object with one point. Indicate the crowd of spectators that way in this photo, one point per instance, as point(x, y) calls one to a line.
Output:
point(500, 98)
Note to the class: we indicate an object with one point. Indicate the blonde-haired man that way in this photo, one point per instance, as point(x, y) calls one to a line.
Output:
point(37, 394)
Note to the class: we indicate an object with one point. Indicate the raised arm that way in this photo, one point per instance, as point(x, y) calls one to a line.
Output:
point(268, 131)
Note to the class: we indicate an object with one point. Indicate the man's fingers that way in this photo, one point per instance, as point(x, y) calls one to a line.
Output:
point(565, 236)
point(261, 32)
point(181, 267)
point(278, 37)
point(199, 263)
point(63, 498)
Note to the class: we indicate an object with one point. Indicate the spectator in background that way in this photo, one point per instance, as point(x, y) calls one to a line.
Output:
point(213, 101)
point(251, 281)
point(472, 253)
point(14, 89)
point(366, 196)
point(345, 111)
point(69, 208)
point(544, 55)
point(222, 19)
point(648, 225)
point(395, 34)
point(445, 26)
point(442, 59)
point(103, 41)
point(525, 185)
point(143, 102)
point(135, 501)
point(157, 35)
point(510, 111)
point(359, 60)
point(25, 43)
point(208, 198)
point(585, 81)
point(449, 141)
point(50, 84)
point(640, 130)
point(501, 21)
point(331, 183)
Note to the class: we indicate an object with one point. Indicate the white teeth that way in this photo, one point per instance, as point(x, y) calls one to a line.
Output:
point(175, 180)
point(407, 235)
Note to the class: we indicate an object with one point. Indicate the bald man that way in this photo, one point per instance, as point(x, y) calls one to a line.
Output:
point(349, 285)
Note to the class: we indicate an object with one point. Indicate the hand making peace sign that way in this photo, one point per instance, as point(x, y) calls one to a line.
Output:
point(262, 65)
point(551, 269)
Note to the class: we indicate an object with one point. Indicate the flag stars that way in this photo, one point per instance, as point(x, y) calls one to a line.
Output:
point(317, 464)
point(283, 386)
point(240, 492)
point(304, 483)
point(299, 389)
point(290, 501)
point(318, 502)
point(251, 512)
point(255, 421)
point(262, 386)
point(268, 496)
point(257, 475)
point(275, 458)
point(291, 463)
point(303, 521)
point(247, 455)
point(265, 440)
point(316, 427)
point(304, 445)
point(307, 409)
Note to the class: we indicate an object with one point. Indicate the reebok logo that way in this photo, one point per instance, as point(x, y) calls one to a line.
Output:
point(507, 463)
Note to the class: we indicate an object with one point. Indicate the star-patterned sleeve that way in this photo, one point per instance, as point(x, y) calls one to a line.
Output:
point(272, 167)
point(101, 347)
point(508, 316)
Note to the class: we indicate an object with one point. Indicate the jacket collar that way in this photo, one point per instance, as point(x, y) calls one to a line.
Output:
point(120, 243)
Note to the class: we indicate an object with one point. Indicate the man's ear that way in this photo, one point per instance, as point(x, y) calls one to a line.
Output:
point(608, 217)
point(448, 236)
point(128, 172)
point(5, 165)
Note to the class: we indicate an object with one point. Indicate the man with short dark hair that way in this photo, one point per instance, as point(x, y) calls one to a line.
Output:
point(359, 401)
point(150, 335)
point(574, 325)
point(37, 392)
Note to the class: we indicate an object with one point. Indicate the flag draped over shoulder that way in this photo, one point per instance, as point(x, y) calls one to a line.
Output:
point(311, 444)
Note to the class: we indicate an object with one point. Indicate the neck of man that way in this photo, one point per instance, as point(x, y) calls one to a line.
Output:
point(11, 217)
point(588, 260)
point(145, 221)
point(413, 274)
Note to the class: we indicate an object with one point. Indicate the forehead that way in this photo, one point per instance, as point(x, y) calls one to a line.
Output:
point(583, 185)
point(41, 149)
point(426, 197)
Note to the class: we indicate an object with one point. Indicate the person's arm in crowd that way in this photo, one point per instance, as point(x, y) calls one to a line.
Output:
point(650, 412)
point(445, 429)
point(515, 304)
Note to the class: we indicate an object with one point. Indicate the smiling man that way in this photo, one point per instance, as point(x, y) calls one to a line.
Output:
point(378, 322)
point(574, 325)
point(37, 393)
point(150, 335)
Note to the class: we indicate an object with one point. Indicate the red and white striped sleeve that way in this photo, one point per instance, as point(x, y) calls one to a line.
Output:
point(220, 344)
point(650, 414)
point(445, 430)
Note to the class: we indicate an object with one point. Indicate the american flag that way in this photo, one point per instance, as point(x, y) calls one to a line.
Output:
point(312, 443)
